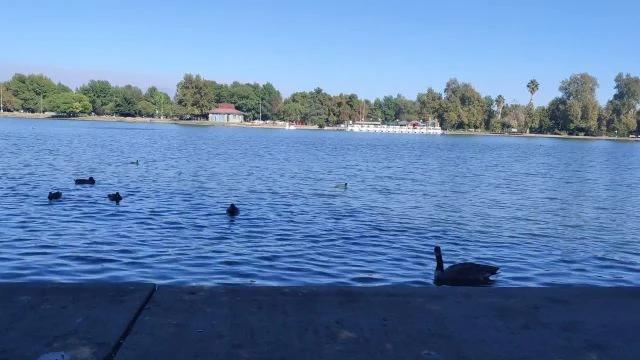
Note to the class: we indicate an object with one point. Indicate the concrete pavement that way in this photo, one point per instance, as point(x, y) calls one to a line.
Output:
point(84, 320)
point(252, 322)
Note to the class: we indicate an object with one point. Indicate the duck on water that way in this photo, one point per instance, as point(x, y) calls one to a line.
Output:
point(462, 274)
point(233, 210)
point(115, 197)
point(54, 195)
point(89, 181)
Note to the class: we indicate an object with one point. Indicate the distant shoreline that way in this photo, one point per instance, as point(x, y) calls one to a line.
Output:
point(280, 126)
point(142, 120)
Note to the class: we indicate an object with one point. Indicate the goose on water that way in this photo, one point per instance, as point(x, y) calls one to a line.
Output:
point(462, 274)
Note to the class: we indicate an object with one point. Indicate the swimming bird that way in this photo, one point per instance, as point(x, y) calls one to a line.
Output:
point(115, 197)
point(54, 195)
point(89, 181)
point(462, 274)
point(233, 210)
point(341, 186)
point(134, 162)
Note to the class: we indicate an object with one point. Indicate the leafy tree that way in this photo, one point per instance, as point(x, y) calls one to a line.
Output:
point(246, 98)
point(100, 94)
point(318, 108)
point(515, 117)
point(126, 100)
point(31, 90)
point(377, 110)
point(69, 103)
point(296, 106)
point(621, 110)
point(581, 106)
point(490, 114)
point(195, 95)
point(464, 106)
point(558, 116)
point(9, 102)
point(430, 105)
point(544, 123)
point(157, 102)
point(271, 101)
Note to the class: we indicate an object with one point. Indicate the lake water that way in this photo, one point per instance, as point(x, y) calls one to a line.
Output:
point(547, 211)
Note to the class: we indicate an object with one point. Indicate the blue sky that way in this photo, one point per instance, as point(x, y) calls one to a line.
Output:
point(372, 48)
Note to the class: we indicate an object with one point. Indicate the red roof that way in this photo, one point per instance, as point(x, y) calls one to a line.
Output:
point(225, 108)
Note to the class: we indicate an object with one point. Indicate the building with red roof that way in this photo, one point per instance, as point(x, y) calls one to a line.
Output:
point(226, 112)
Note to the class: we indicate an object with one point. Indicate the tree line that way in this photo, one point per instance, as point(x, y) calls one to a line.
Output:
point(459, 106)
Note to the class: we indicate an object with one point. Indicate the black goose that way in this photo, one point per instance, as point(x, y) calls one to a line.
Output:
point(462, 274)
point(90, 181)
point(54, 195)
point(233, 210)
point(115, 197)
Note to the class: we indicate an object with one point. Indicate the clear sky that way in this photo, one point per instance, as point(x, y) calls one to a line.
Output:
point(372, 48)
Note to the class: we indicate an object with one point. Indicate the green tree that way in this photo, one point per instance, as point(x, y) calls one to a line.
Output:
point(318, 109)
point(622, 108)
point(31, 90)
point(464, 106)
point(544, 123)
point(100, 94)
point(430, 105)
point(271, 101)
point(581, 105)
point(558, 115)
point(68, 103)
point(159, 102)
point(377, 110)
point(296, 106)
point(490, 114)
point(126, 100)
point(246, 98)
point(195, 95)
point(9, 102)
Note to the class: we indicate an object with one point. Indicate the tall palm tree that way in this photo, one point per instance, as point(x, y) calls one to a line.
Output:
point(499, 104)
point(533, 87)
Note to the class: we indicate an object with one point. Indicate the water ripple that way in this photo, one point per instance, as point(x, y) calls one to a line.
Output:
point(550, 212)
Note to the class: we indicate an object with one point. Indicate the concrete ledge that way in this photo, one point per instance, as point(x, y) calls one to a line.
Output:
point(387, 323)
point(88, 321)
point(84, 320)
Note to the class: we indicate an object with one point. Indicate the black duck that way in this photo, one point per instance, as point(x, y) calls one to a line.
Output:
point(233, 210)
point(115, 197)
point(89, 181)
point(54, 195)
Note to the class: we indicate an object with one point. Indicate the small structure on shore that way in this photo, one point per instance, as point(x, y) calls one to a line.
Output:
point(226, 112)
